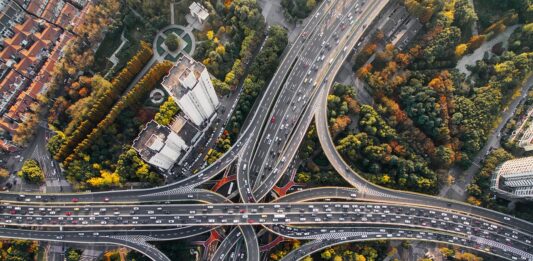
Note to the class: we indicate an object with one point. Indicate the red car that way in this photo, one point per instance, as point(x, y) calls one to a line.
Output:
point(273, 119)
point(243, 210)
point(251, 221)
point(68, 213)
point(75, 200)
point(13, 212)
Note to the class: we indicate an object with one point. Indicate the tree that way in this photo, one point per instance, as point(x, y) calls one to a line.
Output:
point(31, 172)
point(131, 98)
point(166, 112)
point(465, 15)
point(221, 50)
point(444, 156)
point(327, 254)
point(107, 179)
point(4, 174)
point(210, 34)
point(27, 129)
point(446, 252)
point(172, 42)
point(73, 254)
point(131, 167)
point(460, 50)
point(310, 4)
point(303, 177)
point(467, 257)
point(423, 9)
point(91, 110)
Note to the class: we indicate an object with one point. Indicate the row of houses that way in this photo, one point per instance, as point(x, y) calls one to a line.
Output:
point(30, 45)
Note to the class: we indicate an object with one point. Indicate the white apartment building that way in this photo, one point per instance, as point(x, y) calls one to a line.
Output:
point(189, 84)
point(199, 12)
point(514, 179)
point(162, 146)
point(526, 142)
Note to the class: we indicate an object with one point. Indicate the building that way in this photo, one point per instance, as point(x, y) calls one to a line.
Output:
point(29, 49)
point(526, 142)
point(514, 179)
point(189, 84)
point(162, 146)
point(199, 12)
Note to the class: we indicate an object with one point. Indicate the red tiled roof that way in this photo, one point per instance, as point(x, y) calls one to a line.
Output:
point(68, 13)
point(36, 87)
point(21, 105)
point(7, 147)
point(11, 78)
point(10, 127)
point(7, 52)
point(48, 12)
point(24, 65)
point(36, 48)
point(49, 34)
point(35, 7)
point(26, 26)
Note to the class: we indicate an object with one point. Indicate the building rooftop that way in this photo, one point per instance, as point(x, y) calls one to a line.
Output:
point(185, 129)
point(151, 139)
point(517, 167)
point(199, 10)
point(514, 179)
point(183, 76)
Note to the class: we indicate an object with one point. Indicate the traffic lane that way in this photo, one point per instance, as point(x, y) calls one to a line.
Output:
point(329, 216)
point(326, 77)
point(195, 209)
point(250, 241)
point(227, 244)
point(336, 233)
point(243, 187)
point(274, 127)
point(265, 186)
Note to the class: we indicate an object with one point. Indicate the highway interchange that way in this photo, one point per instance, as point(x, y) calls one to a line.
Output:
point(263, 153)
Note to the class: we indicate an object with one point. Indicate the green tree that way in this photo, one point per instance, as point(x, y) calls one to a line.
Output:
point(465, 15)
point(327, 254)
point(172, 42)
point(167, 111)
point(73, 254)
point(31, 172)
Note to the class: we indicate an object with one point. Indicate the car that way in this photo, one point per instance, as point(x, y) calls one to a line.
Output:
point(273, 119)
point(106, 199)
point(74, 200)
point(68, 213)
